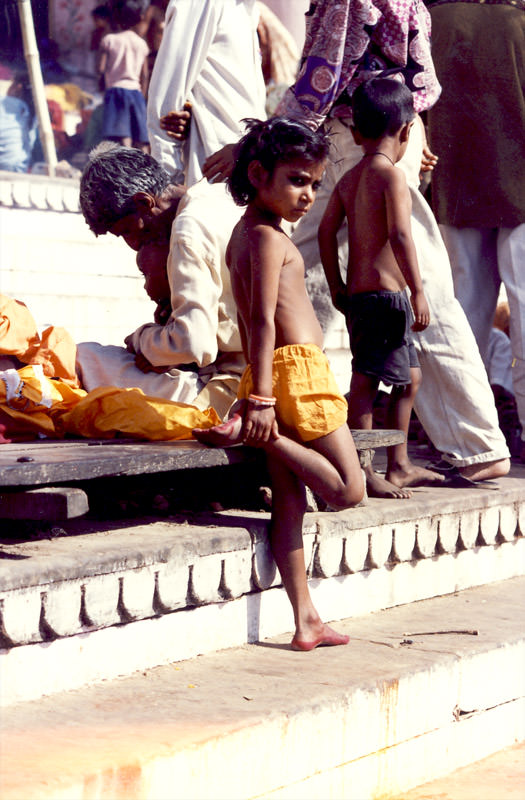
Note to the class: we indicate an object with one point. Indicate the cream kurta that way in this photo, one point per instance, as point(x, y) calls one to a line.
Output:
point(209, 56)
point(202, 329)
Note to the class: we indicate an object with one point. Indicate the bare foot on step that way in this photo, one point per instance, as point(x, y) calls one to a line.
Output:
point(377, 486)
point(326, 637)
point(408, 474)
point(486, 471)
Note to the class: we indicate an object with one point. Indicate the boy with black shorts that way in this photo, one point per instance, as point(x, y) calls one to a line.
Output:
point(375, 200)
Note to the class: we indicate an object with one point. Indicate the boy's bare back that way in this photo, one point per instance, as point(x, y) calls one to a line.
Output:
point(375, 198)
point(265, 264)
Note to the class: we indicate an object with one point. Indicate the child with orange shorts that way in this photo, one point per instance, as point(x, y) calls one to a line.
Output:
point(291, 406)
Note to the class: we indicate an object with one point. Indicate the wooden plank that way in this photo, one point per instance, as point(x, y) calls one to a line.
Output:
point(47, 502)
point(53, 462)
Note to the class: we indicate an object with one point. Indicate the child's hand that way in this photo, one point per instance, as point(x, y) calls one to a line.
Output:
point(259, 426)
point(421, 311)
point(339, 299)
point(177, 123)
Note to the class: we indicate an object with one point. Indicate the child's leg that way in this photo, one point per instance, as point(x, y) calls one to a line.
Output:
point(288, 507)
point(400, 470)
point(363, 391)
point(328, 465)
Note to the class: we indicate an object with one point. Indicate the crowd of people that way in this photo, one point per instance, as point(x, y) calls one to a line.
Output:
point(254, 226)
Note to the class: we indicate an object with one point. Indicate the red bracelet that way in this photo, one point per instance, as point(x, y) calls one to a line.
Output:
point(262, 401)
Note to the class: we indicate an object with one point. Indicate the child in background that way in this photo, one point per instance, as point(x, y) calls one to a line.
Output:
point(375, 200)
point(291, 407)
point(123, 63)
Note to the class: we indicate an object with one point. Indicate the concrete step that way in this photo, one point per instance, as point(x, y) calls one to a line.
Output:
point(420, 690)
point(97, 600)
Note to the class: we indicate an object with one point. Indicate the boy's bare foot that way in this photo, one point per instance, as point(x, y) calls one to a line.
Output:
point(409, 474)
point(227, 434)
point(325, 637)
point(377, 486)
point(487, 470)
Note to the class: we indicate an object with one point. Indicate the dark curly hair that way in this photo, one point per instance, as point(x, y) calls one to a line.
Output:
point(275, 141)
point(381, 106)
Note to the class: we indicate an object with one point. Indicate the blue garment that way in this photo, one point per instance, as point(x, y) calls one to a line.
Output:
point(125, 115)
point(17, 134)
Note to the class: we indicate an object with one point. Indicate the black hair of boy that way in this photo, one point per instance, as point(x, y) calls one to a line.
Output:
point(381, 106)
point(274, 141)
point(102, 11)
point(110, 180)
point(128, 13)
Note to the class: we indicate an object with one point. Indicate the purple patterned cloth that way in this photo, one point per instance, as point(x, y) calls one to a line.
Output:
point(349, 41)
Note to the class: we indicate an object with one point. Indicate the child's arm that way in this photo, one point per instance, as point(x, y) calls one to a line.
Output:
point(331, 222)
point(398, 210)
point(144, 78)
point(267, 254)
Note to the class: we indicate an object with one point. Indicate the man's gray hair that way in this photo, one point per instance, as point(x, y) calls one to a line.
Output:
point(111, 178)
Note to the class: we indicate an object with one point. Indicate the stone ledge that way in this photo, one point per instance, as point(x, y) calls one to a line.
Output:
point(103, 575)
point(380, 716)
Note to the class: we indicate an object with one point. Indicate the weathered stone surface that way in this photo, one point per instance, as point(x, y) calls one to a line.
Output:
point(137, 590)
point(236, 574)
point(355, 551)
point(328, 556)
point(46, 502)
point(100, 596)
point(508, 522)
point(20, 617)
point(448, 531)
point(404, 540)
point(489, 525)
point(264, 570)
point(205, 580)
point(426, 537)
point(468, 528)
point(380, 545)
point(172, 586)
point(61, 610)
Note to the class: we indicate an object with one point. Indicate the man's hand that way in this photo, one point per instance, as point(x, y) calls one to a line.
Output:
point(177, 123)
point(163, 311)
point(219, 166)
point(421, 311)
point(142, 363)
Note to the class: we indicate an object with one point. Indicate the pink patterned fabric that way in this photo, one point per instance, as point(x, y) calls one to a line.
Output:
point(348, 41)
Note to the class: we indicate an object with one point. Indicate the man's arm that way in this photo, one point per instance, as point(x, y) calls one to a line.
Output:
point(331, 222)
point(190, 334)
point(188, 33)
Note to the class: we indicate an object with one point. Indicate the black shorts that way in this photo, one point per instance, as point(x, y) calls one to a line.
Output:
point(379, 325)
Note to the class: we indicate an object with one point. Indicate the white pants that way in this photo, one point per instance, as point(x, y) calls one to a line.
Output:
point(111, 365)
point(455, 403)
point(481, 260)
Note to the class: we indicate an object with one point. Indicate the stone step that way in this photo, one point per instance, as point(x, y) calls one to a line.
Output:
point(419, 691)
point(95, 601)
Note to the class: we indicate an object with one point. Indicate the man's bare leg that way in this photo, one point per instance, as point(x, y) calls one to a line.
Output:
point(286, 538)
point(363, 391)
point(400, 469)
point(487, 470)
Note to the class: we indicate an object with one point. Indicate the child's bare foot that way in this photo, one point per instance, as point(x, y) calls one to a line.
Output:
point(408, 474)
point(487, 470)
point(325, 637)
point(227, 434)
point(377, 486)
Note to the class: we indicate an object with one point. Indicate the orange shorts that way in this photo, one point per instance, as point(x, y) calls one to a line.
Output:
point(308, 398)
